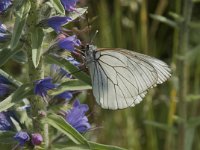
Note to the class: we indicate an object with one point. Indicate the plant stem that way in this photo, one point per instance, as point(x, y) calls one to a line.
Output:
point(37, 103)
point(183, 72)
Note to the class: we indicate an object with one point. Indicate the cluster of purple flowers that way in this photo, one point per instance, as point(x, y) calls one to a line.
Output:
point(76, 116)
point(4, 4)
point(22, 137)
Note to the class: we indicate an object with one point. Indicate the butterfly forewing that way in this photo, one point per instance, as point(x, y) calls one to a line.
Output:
point(121, 78)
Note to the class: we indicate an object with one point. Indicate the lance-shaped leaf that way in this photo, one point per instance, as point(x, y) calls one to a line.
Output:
point(69, 67)
point(6, 54)
point(97, 146)
point(77, 13)
point(22, 92)
point(164, 20)
point(36, 39)
point(10, 78)
point(59, 123)
point(58, 6)
point(20, 21)
point(71, 85)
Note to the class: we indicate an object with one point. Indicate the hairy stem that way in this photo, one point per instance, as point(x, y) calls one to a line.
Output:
point(37, 103)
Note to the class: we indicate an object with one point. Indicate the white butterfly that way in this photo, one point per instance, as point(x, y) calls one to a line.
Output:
point(121, 78)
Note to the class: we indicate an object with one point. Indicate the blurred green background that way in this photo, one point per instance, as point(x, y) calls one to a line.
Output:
point(168, 117)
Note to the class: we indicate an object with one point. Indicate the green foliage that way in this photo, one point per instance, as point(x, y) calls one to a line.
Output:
point(69, 67)
point(22, 92)
point(37, 39)
point(58, 6)
point(71, 85)
point(20, 20)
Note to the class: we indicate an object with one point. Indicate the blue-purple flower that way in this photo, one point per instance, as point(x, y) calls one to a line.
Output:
point(69, 5)
point(5, 86)
point(3, 28)
point(36, 138)
point(73, 61)
point(55, 22)
point(5, 121)
point(76, 117)
point(43, 85)
point(65, 95)
point(22, 137)
point(69, 43)
point(4, 4)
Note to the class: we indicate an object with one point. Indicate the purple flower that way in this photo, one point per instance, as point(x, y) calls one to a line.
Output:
point(22, 137)
point(36, 138)
point(55, 22)
point(5, 121)
point(73, 61)
point(43, 85)
point(4, 37)
point(5, 86)
point(69, 5)
point(3, 28)
point(65, 95)
point(69, 43)
point(4, 4)
point(76, 117)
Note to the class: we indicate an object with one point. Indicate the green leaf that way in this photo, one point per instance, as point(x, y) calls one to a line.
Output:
point(22, 92)
point(11, 79)
point(161, 126)
point(70, 147)
point(164, 20)
point(36, 38)
point(97, 146)
point(20, 21)
point(7, 137)
point(69, 67)
point(20, 57)
point(59, 123)
point(58, 6)
point(6, 54)
point(77, 13)
point(71, 85)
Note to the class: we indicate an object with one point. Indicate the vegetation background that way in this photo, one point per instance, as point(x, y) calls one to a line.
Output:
point(168, 117)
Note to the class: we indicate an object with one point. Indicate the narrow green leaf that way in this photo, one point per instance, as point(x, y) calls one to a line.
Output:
point(77, 13)
point(58, 6)
point(71, 85)
point(20, 57)
point(161, 126)
point(22, 92)
point(97, 146)
point(59, 123)
point(164, 20)
point(6, 54)
point(70, 147)
point(20, 21)
point(69, 67)
point(36, 38)
point(10, 78)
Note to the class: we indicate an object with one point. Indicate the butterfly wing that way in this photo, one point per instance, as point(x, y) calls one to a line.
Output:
point(121, 78)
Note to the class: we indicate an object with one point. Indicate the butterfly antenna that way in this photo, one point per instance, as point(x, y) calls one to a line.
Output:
point(92, 40)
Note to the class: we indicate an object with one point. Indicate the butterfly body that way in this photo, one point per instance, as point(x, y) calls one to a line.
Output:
point(121, 78)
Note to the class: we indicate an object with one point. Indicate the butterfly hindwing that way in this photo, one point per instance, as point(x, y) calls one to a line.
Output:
point(121, 78)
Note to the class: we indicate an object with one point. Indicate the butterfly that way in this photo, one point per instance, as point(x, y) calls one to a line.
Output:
point(121, 78)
